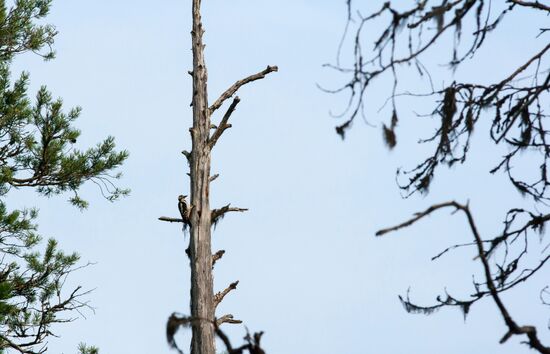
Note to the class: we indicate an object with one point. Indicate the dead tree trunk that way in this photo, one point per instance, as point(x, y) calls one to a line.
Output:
point(202, 290)
point(201, 217)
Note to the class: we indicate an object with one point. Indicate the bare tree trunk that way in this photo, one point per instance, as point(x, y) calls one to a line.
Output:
point(200, 253)
point(198, 216)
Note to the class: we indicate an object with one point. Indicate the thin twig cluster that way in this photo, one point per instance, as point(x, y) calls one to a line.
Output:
point(515, 105)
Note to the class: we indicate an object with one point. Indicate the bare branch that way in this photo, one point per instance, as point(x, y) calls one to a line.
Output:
point(220, 213)
point(223, 124)
point(417, 217)
point(533, 4)
point(216, 256)
point(227, 319)
point(187, 155)
point(214, 177)
point(219, 296)
point(513, 327)
point(167, 219)
point(233, 89)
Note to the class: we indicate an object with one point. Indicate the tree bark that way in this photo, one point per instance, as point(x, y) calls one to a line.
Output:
point(202, 293)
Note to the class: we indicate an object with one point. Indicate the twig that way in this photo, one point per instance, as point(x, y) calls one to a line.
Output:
point(417, 216)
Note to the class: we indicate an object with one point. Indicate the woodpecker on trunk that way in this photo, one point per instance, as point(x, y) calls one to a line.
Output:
point(184, 209)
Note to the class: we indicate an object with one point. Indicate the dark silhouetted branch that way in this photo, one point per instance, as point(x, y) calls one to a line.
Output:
point(417, 217)
point(493, 290)
point(167, 219)
point(533, 4)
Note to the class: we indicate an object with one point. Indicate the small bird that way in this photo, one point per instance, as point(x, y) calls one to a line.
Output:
point(184, 209)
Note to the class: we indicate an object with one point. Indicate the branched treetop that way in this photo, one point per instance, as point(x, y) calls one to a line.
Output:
point(38, 151)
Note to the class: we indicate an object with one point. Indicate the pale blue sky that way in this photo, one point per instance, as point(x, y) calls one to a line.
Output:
point(312, 275)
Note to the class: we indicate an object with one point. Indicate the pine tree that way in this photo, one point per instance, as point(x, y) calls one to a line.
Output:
point(38, 151)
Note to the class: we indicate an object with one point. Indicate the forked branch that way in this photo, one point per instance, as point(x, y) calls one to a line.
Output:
point(223, 124)
point(220, 213)
point(219, 296)
point(513, 327)
point(235, 87)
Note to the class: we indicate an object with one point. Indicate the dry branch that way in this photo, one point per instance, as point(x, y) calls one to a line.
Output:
point(417, 216)
point(219, 213)
point(214, 177)
point(216, 256)
point(533, 4)
point(167, 219)
point(513, 327)
point(235, 87)
point(227, 319)
point(187, 154)
point(219, 296)
point(223, 124)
